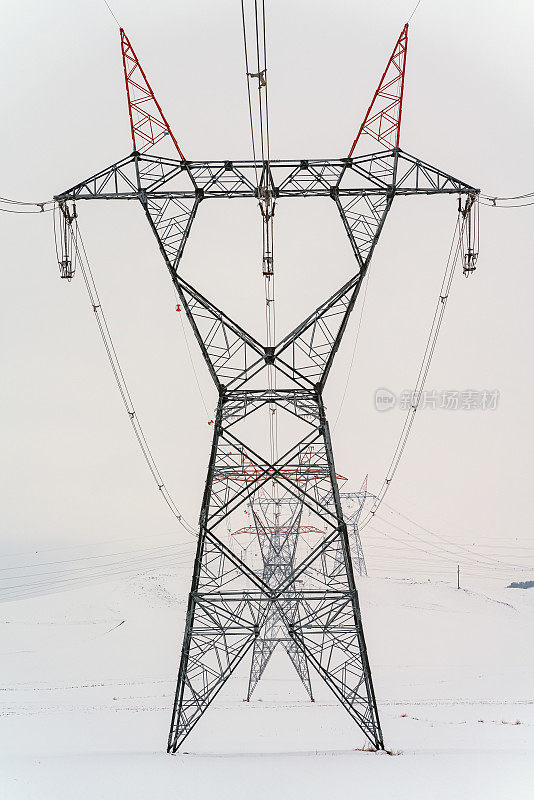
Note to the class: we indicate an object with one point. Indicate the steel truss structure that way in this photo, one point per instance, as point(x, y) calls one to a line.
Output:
point(353, 504)
point(278, 545)
point(309, 601)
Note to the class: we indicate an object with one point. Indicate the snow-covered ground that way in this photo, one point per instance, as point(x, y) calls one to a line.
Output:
point(88, 678)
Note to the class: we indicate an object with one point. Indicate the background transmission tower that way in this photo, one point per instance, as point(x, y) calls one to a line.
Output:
point(353, 504)
point(278, 545)
point(309, 599)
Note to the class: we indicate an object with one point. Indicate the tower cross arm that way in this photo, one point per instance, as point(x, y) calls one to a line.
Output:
point(118, 181)
point(373, 174)
point(415, 176)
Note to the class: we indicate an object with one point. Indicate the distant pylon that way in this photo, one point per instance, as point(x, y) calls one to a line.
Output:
point(277, 525)
point(353, 504)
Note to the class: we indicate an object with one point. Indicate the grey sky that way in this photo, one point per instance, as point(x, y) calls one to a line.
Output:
point(70, 468)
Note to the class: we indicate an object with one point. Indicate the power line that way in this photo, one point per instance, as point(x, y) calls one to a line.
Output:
point(14, 211)
point(451, 558)
point(510, 205)
point(67, 584)
point(415, 9)
point(453, 544)
point(80, 257)
point(94, 557)
point(469, 557)
point(21, 206)
point(503, 202)
point(111, 12)
point(510, 197)
point(450, 268)
point(247, 74)
point(26, 202)
point(443, 553)
point(266, 199)
point(77, 546)
point(123, 564)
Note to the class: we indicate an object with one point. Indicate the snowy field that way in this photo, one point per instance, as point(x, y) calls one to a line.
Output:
point(88, 678)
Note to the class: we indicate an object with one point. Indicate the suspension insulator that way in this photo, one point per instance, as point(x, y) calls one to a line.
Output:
point(67, 247)
point(470, 237)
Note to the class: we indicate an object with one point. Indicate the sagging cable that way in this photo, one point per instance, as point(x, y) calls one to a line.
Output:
point(71, 253)
point(456, 252)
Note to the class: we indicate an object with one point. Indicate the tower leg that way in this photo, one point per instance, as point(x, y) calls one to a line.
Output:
point(220, 630)
point(232, 610)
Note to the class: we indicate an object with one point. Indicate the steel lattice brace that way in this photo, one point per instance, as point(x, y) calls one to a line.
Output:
point(278, 542)
point(353, 504)
point(277, 526)
point(308, 600)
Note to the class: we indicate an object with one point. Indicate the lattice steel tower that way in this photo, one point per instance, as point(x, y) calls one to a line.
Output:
point(309, 598)
point(353, 504)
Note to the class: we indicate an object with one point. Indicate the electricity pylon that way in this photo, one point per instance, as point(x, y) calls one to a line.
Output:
point(316, 601)
point(278, 551)
point(353, 504)
point(278, 545)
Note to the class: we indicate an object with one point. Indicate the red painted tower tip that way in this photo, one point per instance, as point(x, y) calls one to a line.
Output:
point(383, 119)
point(147, 120)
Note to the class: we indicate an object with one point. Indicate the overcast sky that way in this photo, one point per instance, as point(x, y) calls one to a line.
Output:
point(71, 471)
